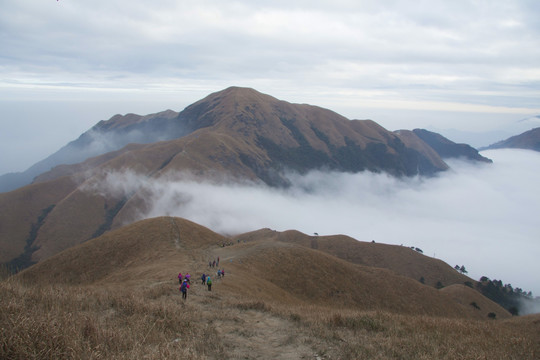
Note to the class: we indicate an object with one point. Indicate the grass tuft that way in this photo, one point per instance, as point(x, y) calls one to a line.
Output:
point(256, 305)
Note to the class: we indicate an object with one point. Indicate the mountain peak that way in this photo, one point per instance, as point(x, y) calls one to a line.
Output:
point(238, 97)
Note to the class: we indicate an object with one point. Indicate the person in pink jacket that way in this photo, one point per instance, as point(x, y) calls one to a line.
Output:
point(180, 278)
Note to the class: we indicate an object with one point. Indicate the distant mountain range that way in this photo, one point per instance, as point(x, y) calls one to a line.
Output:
point(529, 140)
point(236, 133)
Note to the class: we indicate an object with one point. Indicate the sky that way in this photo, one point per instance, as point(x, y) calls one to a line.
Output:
point(481, 216)
point(471, 66)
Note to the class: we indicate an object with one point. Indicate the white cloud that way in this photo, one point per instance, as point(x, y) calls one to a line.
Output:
point(480, 216)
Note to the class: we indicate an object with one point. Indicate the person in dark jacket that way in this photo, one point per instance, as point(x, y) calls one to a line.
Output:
point(184, 288)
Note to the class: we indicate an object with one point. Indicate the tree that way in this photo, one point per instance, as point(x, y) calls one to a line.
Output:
point(513, 310)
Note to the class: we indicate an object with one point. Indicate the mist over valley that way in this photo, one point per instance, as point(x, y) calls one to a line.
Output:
point(479, 215)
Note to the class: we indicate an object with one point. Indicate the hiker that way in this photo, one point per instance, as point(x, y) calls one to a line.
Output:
point(184, 288)
point(188, 278)
point(219, 274)
point(210, 263)
point(209, 283)
point(222, 272)
point(217, 261)
point(203, 278)
point(214, 263)
point(180, 278)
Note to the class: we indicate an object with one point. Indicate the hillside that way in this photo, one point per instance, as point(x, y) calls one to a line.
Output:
point(448, 149)
point(529, 140)
point(22, 213)
point(117, 296)
point(400, 259)
point(236, 133)
point(152, 250)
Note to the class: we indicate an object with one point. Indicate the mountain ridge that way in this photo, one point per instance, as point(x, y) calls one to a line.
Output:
point(120, 130)
point(236, 133)
point(529, 140)
point(151, 249)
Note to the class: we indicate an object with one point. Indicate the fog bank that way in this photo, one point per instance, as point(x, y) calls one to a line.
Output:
point(482, 216)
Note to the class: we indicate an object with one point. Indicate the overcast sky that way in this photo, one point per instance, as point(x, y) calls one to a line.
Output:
point(65, 65)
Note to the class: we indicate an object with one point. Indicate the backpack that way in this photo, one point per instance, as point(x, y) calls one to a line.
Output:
point(183, 288)
point(209, 281)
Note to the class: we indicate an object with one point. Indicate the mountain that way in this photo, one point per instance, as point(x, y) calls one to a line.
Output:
point(448, 149)
point(529, 140)
point(102, 138)
point(237, 133)
point(305, 129)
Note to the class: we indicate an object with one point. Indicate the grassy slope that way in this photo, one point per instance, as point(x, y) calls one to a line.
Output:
point(153, 249)
point(19, 209)
point(400, 259)
point(117, 297)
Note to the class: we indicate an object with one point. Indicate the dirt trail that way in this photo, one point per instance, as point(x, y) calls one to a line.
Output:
point(248, 332)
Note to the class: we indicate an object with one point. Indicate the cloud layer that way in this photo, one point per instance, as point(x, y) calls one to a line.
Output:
point(462, 52)
point(481, 216)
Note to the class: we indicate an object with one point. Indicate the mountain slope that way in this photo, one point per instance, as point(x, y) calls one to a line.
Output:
point(104, 137)
point(23, 212)
point(117, 296)
point(400, 259)
point(260, 269)
point(256, 135)
point(529, 140)
point(236, 133)
point(449, 149)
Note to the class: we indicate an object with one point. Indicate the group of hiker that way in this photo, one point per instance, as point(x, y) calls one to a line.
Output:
point(185, 280)
point(214, 263)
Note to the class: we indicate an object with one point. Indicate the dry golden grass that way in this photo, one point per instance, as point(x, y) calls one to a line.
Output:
point(152, 322)
point(400, 259)
point(116, 297)
point(63, 322)
point(19, 209)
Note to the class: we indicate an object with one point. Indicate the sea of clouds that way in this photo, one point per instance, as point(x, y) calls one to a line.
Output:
point(482, 216)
